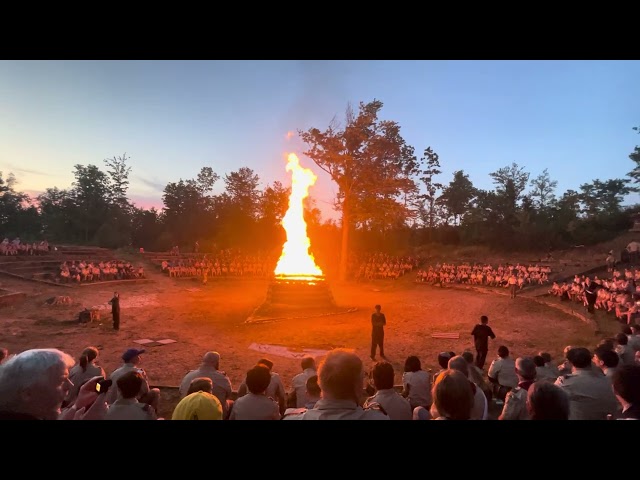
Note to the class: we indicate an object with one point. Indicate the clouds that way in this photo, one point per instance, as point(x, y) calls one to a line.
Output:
point(11, 168)
point(151, 183)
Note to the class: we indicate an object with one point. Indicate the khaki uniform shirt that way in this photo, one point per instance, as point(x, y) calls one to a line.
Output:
point(591, 397)
point(338, 410)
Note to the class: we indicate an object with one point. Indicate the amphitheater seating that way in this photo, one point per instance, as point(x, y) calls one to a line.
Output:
point(45, 268)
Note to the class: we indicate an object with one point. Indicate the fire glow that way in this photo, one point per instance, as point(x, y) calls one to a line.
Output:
point(295, 261)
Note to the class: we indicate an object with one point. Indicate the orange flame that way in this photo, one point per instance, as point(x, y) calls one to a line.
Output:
point(296, 259)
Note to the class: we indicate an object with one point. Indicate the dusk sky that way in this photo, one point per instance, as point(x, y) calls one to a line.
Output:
point(174, 117)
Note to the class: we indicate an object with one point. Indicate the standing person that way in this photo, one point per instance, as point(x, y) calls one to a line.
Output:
point(481, 333)
point(513, 284)
point(590, 294)
point(378, 321)
point(115, 310)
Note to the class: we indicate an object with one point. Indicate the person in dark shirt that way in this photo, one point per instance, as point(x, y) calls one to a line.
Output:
point(115, 310)
point(481, 333)
point(378, 321)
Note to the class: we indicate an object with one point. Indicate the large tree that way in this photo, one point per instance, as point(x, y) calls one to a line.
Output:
point(457, 196)
point(371, 164)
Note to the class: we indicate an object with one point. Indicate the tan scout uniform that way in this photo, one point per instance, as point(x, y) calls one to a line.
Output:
point(255, 407)
point(591, 397)
point(221, 384)
point(504, 371)
point(515, 404)
point(395, 405)
point(338, 410)
point(112, 394)
point(299, 384)
point(129, 409)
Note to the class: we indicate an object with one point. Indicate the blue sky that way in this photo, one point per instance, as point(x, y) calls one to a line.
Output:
point(174, 117)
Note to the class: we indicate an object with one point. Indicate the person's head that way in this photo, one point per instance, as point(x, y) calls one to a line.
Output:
point(87, 356)
point(626, 329)
point(525, 368)
point(443, 359)
point(198, 405)
point(546, 356)
point(266, 362)
point(341, 375)
point(258, 379)
point(460, 364)
point(453, 395)
point(605, 358)
point(626, 384)
point(133, 356)
point(211, 359)
point(307, 362)
point(622, 339)
point(4, 354)
point(580, 357)
point(609, 343)
point(484, 319)
point(503, 351)
point(468, 356)
point(312, 386)
point(635, 328)
point(378, 308)
point(200, 384)
point(383, 375)
point(538, 361)
point(35, 382)
point(412, 364)
point(546, 401)
point(129, 384)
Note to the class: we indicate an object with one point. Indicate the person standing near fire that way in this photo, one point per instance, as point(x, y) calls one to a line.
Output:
point(378, 322)
point(115, 310)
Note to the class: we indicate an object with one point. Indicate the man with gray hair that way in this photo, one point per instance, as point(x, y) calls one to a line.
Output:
point(33, 384)
point(480, 408)
point(515, 403)
point(221, 383)
point(341, 376)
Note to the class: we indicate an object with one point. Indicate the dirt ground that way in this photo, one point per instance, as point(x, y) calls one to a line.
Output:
point(212, 317)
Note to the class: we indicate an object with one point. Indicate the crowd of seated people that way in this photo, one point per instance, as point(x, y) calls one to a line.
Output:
point(598, 384)
point(223, 263)
point(618, 294)
point(483, 274)
point(17, 247)
point(83, 271)
point(381, 266)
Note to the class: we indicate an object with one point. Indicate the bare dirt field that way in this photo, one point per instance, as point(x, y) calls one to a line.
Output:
point(212, 317)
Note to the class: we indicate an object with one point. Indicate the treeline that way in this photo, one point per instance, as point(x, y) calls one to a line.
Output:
point(389, 198)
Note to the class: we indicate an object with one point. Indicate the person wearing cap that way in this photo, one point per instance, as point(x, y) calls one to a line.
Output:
point(198, 406)
point(221, 384)
point(132, 359)
point(515, 403)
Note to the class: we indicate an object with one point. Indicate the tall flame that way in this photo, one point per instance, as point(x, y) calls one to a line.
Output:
point(296, 259)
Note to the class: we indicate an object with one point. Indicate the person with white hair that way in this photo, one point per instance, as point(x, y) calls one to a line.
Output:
point(34, 383)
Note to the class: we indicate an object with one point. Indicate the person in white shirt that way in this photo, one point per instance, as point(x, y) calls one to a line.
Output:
point(298, 395)
point(416, 383)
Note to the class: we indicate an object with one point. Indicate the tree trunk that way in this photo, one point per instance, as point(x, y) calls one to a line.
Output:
point(344, 251)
